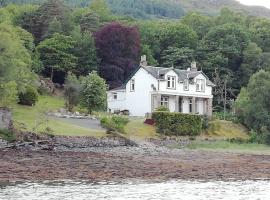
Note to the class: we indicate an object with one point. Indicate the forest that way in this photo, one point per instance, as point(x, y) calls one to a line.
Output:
point(55, 39)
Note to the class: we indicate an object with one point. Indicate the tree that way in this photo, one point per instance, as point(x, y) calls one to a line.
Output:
point(93, 92)
point(55, 54)
point(85, 51)
point(178, 35)
point(117, 46)
point(72, 89)
point(90, 22)
point(252, 62)
point(101, 8)
point(253, 105)
point(179, 58)
point(9, 94)
point(201, 24)
point(39, 21)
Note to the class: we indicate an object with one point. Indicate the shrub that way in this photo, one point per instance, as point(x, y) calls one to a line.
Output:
point(115, 123)
point(7, 135)
point(29, 97)
point(205, 122)
point(162, 109)
point(177, 123)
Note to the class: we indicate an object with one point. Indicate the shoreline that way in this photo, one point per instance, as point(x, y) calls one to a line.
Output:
point(144, 162)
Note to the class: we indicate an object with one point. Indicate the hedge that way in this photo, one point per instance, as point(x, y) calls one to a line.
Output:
point(177, 123)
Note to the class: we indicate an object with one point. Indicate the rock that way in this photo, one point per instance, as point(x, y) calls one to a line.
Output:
point(62, 111)
point(5, 119)
point(77, 113)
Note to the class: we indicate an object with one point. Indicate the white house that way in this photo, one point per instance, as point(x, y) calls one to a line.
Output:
point(186, 91)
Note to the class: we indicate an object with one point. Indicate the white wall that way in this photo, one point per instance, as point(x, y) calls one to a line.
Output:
point(180, 87)
point(116, 104)
point(139, 102)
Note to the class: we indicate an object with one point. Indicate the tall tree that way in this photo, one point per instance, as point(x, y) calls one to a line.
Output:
point(85, 51)
point(118, 47)
point(55, 54)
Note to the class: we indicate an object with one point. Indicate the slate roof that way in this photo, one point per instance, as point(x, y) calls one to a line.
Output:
point(159, 72)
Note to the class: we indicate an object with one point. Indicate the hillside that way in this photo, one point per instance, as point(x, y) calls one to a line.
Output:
point(147, 9)
point(212, 7)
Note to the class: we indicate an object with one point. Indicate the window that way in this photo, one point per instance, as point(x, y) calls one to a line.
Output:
point(186, 84)
point(164, 102)
point(171, 82)
point(132, 85)
point(114, 95)
point(200, 85)
point(190, 105)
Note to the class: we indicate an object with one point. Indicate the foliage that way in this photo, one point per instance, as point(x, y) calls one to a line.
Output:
point(93, 92)
point(85, 52)
point(55, 54)
point(9, 94)
point(252, 105)
point(118, 48)
point(115, 123)
point(162, 109)
point(72, 89)
point(177, 123)
point(29, 97)
point(7, 135)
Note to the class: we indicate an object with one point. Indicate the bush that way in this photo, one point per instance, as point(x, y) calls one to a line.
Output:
point(114, 123)
point(228, 116)
point(7, 135)
point(29, 97)
point(162, 109)
point(177, 123)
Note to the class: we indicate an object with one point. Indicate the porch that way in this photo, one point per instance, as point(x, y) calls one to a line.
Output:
point(183, 103)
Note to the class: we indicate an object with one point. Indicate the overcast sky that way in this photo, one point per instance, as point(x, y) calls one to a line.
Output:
point(265, 3)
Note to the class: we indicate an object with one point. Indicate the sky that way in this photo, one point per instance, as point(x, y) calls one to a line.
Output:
point(265, 3)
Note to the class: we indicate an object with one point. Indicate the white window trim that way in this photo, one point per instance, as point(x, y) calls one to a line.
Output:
point(172, 81)
point(186, 85)
point(132, 85)
point(201, 84)
point(164, 101)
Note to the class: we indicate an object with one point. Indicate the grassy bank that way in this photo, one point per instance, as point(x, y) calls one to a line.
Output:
point(225, 146)
point(28, 118)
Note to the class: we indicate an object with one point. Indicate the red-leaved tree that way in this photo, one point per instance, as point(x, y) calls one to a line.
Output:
point(118, 48)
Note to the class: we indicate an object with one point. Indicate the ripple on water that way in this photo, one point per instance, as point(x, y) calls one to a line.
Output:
point(191, 190)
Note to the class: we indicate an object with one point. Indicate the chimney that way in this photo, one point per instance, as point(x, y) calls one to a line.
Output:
point(143, 62)
point(193, 66)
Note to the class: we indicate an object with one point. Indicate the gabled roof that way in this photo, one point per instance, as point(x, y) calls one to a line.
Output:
point(159, 72)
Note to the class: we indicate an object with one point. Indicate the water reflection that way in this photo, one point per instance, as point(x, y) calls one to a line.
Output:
point(191, 190)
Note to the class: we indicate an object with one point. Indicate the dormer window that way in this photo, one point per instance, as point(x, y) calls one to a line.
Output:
point(171, 82)
point(132, 85)
point(186, 84)
point(200, 85)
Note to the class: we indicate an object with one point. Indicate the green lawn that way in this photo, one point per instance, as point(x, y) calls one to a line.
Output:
point(27, 117)
point(224, 146)
point(137, 129)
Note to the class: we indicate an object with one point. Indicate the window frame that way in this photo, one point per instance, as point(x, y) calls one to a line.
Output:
point(186, 85)
point(163, 102)
point(132, 85)
point(115, 96)
point(200, 85)
point(171, 82)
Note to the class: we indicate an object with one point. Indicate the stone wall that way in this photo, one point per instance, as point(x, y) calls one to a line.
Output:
point(5, 118)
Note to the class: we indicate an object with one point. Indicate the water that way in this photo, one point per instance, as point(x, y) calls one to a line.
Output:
point(190, 190)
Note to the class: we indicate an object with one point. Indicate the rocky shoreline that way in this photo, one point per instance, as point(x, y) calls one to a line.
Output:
point(146, 160)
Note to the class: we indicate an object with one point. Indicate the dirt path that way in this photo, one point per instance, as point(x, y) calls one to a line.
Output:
point(130, 162)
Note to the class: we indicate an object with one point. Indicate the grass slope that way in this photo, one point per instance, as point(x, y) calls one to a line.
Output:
point(224, 146)
point(27, 117)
